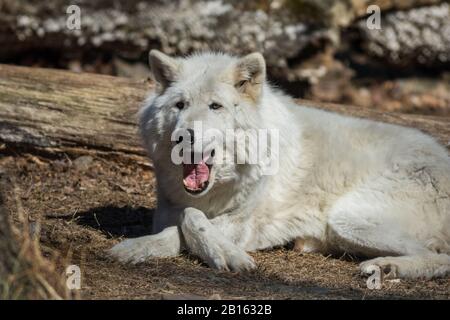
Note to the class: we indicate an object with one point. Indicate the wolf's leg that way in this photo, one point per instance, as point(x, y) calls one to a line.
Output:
point(399, 254)
point(209, 242)
point(425, 266)
point(164, 244)
point(165, 216)
point(396, 230)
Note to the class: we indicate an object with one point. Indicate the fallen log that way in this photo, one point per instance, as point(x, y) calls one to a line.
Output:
point(54, 112)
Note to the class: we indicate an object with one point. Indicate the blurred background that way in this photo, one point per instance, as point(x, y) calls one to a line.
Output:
point(321, 50)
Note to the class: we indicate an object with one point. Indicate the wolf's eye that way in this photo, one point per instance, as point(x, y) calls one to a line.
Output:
point(180, 105)
point(215, 106)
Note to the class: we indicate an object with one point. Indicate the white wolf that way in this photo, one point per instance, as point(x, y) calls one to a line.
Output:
point(344, 184)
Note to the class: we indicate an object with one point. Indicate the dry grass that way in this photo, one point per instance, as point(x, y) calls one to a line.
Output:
point(24, 272)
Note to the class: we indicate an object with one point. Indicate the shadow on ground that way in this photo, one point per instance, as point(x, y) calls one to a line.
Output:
point(116, 222)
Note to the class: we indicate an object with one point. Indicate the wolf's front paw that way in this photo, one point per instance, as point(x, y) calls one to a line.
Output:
point(234, 259)
point(134, 250)
point(163, 244)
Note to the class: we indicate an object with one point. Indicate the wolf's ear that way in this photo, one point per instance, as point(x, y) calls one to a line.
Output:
point(164, 68)
point(250, 74)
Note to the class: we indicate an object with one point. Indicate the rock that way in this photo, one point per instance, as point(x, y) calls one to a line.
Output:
point(419, 36)
point(342, 13)
point(175, 27)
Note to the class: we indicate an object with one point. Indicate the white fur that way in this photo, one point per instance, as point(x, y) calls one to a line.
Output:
point(344, 184)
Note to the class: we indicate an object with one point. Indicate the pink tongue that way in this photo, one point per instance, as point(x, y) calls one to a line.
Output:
point(195, 175)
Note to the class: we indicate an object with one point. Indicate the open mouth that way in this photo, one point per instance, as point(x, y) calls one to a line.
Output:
point(196, 176)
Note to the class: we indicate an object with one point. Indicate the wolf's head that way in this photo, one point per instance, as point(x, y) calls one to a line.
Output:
point(201, 103)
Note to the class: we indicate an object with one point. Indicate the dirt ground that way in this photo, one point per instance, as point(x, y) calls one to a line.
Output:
point(84, 206)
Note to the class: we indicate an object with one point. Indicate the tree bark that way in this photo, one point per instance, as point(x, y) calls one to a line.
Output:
point(57, 111)
point(53, 111)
